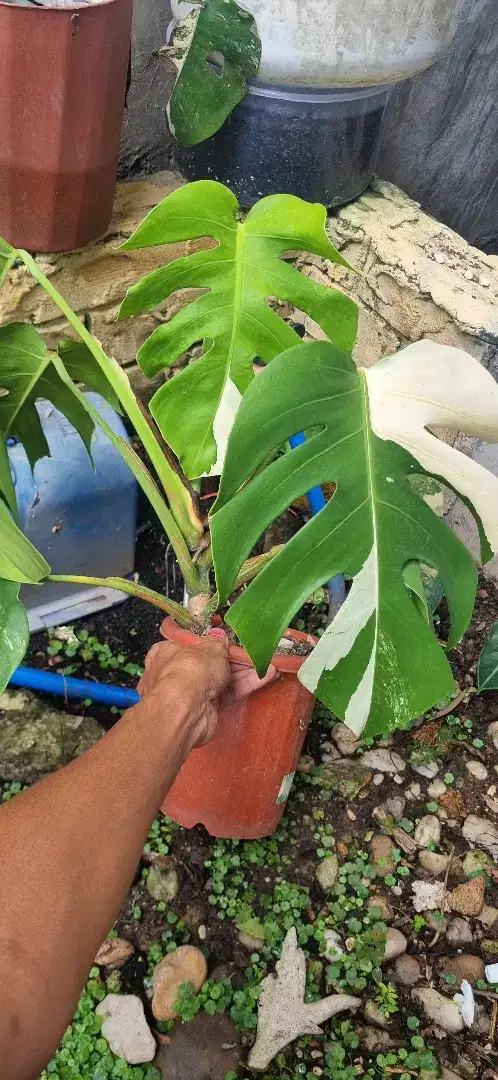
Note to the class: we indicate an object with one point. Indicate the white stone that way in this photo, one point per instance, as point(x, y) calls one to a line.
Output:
point(459, 933)
point(428, 831)
point(428, 771)
point(493, 733)
point(383, 760)
point(378, 779)
point(435, 789)
point(433, 862)
point(427, 895)
point(333, 944)
point(326, 874)
point(396, 944)
point(482, 832)
point(477, 769)
point(440, 1010)
point(126, 1029)
point(345, 739)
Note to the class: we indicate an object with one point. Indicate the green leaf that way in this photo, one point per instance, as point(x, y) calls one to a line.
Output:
point(195, 409)
point(487, 667)
point(14, 630)
point(27, 373)
point(379, 664)
point(204, 95)
point(19, 560)
point(82, 367)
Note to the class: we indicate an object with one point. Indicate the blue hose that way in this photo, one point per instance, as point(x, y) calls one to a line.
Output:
point(50, 683)
point(317, 502)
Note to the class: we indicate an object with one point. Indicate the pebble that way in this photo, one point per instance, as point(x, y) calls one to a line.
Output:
point(374, 1040)
point(427, 831)
point(427, 895)
point(396, 944)
point(384, 761)
point(468, 899)
point(433, 862)
point(459, 933)
point(476, 860)
point(414, 790)
point(393, 807)
point(406, 970)
point(477, 770)
point(162, 883)
point(381, 849)
point(440, 1010)
point(202, 932)
point(186, 964)
point(345, 739)
point(488, 916)
point(481, 831)
point(435, 789)
point(327, 872)
point(465, 966)
point(208, 1046)
point(126, 1029)
point(333, 944)
point(493, 733)
point(378, 779)
point(250, 941)
point(428, 771)
point(374, 1015)
point(114, 952)
point(378, 900)
point(448, 1074)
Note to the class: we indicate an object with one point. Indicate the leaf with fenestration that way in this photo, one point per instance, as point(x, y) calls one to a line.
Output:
point(205, 94)
point(82, 367)
point(487, 667)
point(14, 630)
point(195, 408)
point(378, 664)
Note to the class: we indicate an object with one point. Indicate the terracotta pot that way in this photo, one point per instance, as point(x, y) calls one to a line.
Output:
point(238, 785)
point(62, 86)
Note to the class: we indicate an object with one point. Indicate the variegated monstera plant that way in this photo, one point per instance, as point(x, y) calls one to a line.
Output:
point(369, 433)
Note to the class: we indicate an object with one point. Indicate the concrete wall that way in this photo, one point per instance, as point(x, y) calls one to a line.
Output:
point(441, 137)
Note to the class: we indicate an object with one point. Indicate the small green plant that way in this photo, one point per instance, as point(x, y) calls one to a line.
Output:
point(387, 999)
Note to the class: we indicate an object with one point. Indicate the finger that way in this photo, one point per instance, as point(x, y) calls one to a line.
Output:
point(245, 682)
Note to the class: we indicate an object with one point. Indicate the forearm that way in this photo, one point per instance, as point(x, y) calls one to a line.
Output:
point(69, 848)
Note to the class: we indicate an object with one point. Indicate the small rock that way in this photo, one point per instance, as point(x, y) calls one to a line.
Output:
point(459, 933)
point(488, 916)
point(186, 964)
point(454, 803)
point(346, 741)
point(476, 861)
point(378, 900)
point(205, 1049)
point(428, 831)
point(468, 899)
point(427, 895)
point(384, 761)
point(414, 790)
point(162, 882)
point(126, 1029)
point(381, 849)
point(249, 941)
point(481, 831)
point(374, 1040)
point(406, 970)
point(477, 770)
point(396, 944)
point(202, 932)
point(440, 1010)
point(378, 779)
point(327, 872)
point(434, 921)
point(114, 952)
point(433, 862)
point(333, 944)
point(346, 777)
point(493, 733)
point(374, 1015)
point(394, 808)
point(305, 764)
point(448, 1074)
point(465, 966)
point(428, 771)
point(435, 789)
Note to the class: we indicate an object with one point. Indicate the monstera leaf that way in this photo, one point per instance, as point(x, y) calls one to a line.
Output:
point(195, 409)
point(378, 664)
point(14, 631)
point(205, 94)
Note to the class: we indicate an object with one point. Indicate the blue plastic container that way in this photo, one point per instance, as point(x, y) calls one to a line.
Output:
point(82, 520)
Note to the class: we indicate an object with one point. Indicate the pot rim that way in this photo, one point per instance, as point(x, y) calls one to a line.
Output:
point(74, 9)
point(281, 661)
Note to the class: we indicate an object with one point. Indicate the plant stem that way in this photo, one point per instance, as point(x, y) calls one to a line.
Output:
point(178, 496)
point(179, 613)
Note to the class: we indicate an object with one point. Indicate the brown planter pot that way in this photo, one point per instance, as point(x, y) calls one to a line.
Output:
point(238, 785)
point(62, 86)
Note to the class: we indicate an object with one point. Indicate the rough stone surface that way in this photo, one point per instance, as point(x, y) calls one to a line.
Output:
point(396, 944)
point(186, 964)
point(459, 933)
point(433, 862)
point(373, 1013)
point(346, 777)
point(493, 733)
point(427, 895)
point(35, 739)
point(465, 966)
point(205, 1049)
point(162, 882)
point(383, 760)
point(381, 849)
point(467, 899)
point(481, 831)
point(126, 1029)
point(441, 1010)
point(477, 770)
point(475, 861)
point(327, 872)
point(407, 970)
point(345, 739)
point(114, 952)
point(427, 831)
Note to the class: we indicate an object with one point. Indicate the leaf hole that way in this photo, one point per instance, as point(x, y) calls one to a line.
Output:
point(216, 61)
point(3, 391)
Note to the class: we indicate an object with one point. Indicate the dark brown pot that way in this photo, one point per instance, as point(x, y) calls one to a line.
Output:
point(62, 90)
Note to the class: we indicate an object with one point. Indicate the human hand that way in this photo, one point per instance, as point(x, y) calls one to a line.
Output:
point(201, 678)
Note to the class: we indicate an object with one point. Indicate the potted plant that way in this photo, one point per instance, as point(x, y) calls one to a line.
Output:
point(379, 663)
point(63, 72)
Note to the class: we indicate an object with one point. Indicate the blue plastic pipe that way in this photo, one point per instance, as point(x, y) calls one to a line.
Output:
point(317, 501)
point(50, 683)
